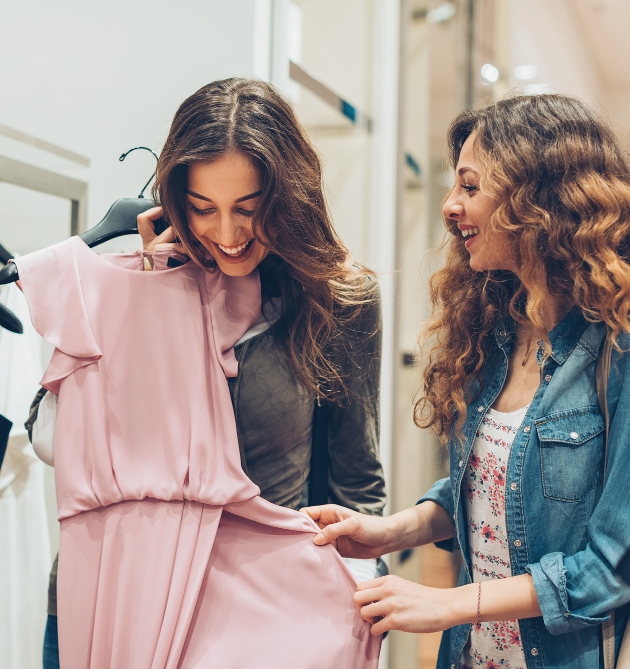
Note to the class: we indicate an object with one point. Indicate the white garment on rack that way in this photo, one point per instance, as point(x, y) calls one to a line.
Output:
point(43, 433)
point(24, 537)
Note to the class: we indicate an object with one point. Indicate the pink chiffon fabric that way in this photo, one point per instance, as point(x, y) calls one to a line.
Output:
point(169, 558)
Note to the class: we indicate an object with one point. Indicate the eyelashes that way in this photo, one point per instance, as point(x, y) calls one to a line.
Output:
point(248, 213)
point(199, 212)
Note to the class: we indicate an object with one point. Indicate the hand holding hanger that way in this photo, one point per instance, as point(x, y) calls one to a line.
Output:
point(154, 236)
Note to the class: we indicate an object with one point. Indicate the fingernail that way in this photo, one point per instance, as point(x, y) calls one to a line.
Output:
point(318, 539)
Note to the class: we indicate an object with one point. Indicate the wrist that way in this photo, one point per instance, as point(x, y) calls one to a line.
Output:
point(400, 531)
point(390, 534)
point(462, 608)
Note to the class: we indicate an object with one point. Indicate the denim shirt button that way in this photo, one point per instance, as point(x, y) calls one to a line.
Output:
point(527, 428)
point(566, 614)
point(518, 543)
point(513, 486)
point(502, 333)
point(534, 651)
point(574, 435)
point(460, 463)
point(548, 378)
point(480, 409)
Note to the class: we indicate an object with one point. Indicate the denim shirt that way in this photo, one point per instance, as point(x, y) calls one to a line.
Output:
point(564, 527)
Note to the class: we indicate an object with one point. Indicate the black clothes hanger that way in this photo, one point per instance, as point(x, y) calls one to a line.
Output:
point(121, 217)
point(5, 255)
point(8, 320)
point(5, 428)
point(118, 221)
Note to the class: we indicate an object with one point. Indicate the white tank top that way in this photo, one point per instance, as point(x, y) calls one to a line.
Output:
point(492, 643)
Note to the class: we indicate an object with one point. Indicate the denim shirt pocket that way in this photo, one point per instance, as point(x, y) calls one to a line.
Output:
point(571, 452)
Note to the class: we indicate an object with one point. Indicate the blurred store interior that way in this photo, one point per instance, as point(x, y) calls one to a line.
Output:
point(375, 82)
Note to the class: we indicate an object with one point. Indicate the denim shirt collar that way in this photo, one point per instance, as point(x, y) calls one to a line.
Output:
point(564, 337)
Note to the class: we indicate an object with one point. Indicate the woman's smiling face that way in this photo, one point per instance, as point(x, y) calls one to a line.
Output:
point(222, 197)
point(471, 208)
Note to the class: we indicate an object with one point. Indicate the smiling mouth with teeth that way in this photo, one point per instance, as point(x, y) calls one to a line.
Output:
point(470, 232)
point(236, 251)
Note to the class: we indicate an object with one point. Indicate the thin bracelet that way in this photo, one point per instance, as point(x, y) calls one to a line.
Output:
point(479, 606)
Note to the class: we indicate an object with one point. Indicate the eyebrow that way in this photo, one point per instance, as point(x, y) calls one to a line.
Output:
point(251, 196)
point(462, 170)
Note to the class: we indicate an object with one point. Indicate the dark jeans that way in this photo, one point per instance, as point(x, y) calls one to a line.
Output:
point(51, 648)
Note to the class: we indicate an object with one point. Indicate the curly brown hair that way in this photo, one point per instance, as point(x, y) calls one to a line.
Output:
point(561, 182)
point(321, 292)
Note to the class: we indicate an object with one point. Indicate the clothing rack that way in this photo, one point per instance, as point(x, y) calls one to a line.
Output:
point(42, 144)
point(327, 95)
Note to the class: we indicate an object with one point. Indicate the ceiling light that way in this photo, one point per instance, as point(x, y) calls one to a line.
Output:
point(525, 72)
point(537, 89)
point(489, 73)
point(442, 12)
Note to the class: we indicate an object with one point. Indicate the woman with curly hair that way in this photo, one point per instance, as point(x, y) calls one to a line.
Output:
point(537, 277)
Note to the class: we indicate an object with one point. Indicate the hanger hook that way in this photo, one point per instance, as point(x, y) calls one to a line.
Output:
point(145, 148)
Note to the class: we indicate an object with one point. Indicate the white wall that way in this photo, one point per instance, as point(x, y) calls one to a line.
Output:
point(101, 77)
point(337, 43)
point(548, 35)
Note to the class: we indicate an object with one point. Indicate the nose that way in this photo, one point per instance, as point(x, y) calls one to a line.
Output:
point(228, 230)
point(453, 208)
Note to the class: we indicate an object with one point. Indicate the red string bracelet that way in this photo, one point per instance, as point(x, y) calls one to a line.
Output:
point(479, 606)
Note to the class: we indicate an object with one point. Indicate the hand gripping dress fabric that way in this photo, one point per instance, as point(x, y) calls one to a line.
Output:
point(169, 558)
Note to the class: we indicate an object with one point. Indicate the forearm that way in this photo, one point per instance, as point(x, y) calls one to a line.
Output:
point(501, 599)
point(422, 524)
point(394, 603)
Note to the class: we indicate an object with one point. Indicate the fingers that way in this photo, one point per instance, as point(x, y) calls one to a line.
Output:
point(167, 237)
point(145, 225)
point(391, 603)
point(326, 513)
point(369, 591)
point(330, 533)
point(167, 241)
point(374, 610)
point(313, 512)
point(383, 625)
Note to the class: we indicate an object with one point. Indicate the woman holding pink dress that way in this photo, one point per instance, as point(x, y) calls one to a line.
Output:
point(242, 188)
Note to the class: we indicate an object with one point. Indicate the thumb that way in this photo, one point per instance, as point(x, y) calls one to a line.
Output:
point(330, 533)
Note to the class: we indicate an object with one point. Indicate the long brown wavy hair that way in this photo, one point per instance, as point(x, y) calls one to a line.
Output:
point(321, 292)
point(561, 183)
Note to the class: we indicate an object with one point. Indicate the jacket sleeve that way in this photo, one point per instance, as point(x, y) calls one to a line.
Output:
point(576, 591)
point(441, 492)
point(356, 477)
point(33, 411)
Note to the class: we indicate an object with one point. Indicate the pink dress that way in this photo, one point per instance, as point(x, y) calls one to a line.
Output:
point(169, 558)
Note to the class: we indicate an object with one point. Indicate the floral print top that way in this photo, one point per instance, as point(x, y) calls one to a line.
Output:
point(492, 645)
